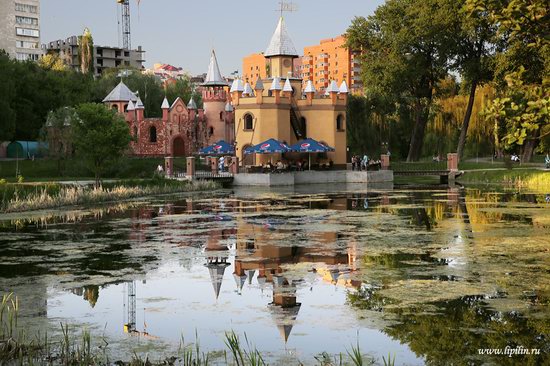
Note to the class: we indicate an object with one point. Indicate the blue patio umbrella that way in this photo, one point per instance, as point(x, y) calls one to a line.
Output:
point(270, 146)
point(219, 148)
point(310, 146)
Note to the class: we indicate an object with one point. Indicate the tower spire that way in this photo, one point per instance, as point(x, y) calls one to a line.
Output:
point(214, 76)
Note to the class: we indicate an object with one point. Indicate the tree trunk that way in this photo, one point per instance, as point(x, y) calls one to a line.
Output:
point(466, 121)
point(417, 138)
point(529, 148)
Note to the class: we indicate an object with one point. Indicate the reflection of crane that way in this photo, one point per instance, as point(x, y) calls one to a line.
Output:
point(130, 314)
point(125, 25)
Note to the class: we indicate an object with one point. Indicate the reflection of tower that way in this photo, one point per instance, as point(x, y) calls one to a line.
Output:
point(130, 304)
point(284, 307)
point(216, 266)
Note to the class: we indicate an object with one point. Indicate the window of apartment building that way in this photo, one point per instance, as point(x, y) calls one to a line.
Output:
point(26, 20)
point(126, 53)
point(25, 44)
point(27, 32)
point(25, 8)
point(20, 56)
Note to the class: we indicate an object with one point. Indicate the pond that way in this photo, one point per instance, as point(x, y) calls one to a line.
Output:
point(428, 274)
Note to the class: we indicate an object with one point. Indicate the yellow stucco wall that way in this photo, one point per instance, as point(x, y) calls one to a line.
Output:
point(272, 120)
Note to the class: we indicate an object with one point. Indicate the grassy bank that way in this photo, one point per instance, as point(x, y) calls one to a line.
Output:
point(49, 170)
point(28, 197)
point(20, 346)
point(518, 178)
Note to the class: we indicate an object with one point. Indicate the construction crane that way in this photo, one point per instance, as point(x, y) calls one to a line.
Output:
point(130, 314)
point(125, 24)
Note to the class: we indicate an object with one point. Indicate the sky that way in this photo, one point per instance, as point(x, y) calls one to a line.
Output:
point(182, 32)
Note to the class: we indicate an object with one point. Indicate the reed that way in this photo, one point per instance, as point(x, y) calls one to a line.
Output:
point(18, 199)
point(73, 349)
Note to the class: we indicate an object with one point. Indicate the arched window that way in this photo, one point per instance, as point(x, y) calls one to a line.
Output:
point(221, 116)
point(152, 134)
point(114, 107)
point(340, 123)
point(125, 108)
point(210, 131)
point(248, 122)
point(135, 132)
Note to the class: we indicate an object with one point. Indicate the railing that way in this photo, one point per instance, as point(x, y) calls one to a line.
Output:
point(419, 166)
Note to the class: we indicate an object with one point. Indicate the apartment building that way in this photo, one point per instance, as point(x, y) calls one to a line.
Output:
point(331, 60)
point(20, 29)
point(105, 57)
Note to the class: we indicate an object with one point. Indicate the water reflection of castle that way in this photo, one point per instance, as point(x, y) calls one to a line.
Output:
point(254, 253)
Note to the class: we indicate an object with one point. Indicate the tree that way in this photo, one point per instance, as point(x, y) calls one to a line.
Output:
point(475, 51)
point(57, 132)
point(7, 92)
point(52, 62)
point(101, 138)
point(521, 114)
point(184, 89)
point(406, 48)
point(86, 52)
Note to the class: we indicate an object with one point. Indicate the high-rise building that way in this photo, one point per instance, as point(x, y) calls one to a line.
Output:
point(104, 57)
point(20, 29)
point(331, 60)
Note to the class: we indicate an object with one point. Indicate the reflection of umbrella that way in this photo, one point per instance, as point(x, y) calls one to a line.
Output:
point(219, 148)
point(310, 146)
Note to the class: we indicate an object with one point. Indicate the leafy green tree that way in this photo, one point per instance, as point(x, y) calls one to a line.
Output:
point(521, 115)
point(406, 48)
point(522, 71)
point(101, 138)
point(475, 50)
point(7, 92)
point(183, 88)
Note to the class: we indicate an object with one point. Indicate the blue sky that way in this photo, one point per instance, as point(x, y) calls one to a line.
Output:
point(182, 32)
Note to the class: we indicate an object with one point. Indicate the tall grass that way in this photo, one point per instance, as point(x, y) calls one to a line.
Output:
point(83, 349)
point(17, 198)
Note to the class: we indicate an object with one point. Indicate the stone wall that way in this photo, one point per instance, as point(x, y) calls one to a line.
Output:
point(313, 177)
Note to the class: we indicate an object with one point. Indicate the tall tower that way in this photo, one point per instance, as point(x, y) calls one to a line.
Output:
point(126, 33)
point(214, 96)
point(281, 52)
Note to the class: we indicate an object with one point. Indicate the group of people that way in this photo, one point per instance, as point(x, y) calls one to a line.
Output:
point(359, 163)
point(294, 166)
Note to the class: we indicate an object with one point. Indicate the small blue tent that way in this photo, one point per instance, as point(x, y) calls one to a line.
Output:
point(26, 149)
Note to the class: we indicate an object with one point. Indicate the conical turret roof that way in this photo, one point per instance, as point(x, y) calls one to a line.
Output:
point(191, 104)
point(214, 76)
point(165, 104)
point(121, 93)
point(281, 44)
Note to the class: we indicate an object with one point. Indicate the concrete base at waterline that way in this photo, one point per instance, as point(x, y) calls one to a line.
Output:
point(312, 177)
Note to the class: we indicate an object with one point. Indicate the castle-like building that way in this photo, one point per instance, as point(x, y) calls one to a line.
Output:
point(183, 128)
point(279, 106)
